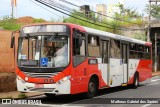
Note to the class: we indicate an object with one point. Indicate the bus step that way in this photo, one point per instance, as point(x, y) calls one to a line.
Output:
point(124, 84)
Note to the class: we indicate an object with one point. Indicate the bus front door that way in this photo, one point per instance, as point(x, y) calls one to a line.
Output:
point(124, 51)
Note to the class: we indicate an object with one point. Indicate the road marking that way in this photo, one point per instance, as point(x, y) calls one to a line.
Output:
point(146, 105)
point(155, 80)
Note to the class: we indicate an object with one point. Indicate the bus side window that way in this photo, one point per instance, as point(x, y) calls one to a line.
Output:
point(140, 51)
point(79, 45)
point(147, 52)
point(115, 49)
point(132, 51)
point(93, 46)
point(79, 48)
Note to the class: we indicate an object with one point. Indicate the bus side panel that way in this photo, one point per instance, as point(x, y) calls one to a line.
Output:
point(132, 67)
point(145, 70)
point(143, 67)
point(96, 69)
point(116, 72)
point(103, 69)
point(79, 78)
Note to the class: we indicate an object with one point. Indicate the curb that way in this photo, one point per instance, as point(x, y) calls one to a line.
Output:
point(28, 96)
point(153, 75)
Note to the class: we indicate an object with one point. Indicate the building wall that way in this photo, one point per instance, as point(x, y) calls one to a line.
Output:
point(111, 10)
point(101, 8)
point(7, 58)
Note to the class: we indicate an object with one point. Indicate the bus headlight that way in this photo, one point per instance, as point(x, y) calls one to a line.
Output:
point(26, 78)
point(19, 78)
point(64, 79)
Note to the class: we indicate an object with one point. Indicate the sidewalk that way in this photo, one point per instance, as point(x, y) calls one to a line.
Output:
point(155, 73)
point(16, 94)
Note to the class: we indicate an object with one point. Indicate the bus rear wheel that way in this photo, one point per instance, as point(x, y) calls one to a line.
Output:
point(92, 88)
point(136, 81)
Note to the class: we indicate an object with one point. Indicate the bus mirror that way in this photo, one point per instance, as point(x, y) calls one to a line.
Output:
point(12, 40)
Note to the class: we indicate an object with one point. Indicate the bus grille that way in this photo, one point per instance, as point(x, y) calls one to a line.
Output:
point(41, 75)
point(42, 89)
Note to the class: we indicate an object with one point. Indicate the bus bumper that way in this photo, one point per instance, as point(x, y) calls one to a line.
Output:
point(56, 88)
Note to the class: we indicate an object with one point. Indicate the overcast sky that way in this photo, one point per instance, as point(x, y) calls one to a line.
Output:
point(28, 8)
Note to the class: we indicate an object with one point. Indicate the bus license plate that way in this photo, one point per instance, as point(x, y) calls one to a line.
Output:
point(39, 85)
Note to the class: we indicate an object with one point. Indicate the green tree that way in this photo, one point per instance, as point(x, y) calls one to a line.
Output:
point(35, 20)
point(89, 18)
point(155, 10)
point(9, 23)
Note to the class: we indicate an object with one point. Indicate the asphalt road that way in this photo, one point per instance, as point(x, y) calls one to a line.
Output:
point(148, 89)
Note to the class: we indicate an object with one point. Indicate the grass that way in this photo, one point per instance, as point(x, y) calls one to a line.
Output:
point(22, 95)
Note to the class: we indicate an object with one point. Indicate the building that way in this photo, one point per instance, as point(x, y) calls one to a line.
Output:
point(114, 8)
point(155, 31)
point(86, 10)
point(111, 10)
point(101, 8)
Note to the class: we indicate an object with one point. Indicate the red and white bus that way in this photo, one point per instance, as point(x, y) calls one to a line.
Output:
point(64, 58)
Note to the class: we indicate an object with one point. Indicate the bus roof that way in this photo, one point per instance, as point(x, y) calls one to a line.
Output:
point(96, 32)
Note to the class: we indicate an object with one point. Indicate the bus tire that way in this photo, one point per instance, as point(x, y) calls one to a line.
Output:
point(92, 88)
point(136, 81)
point(50, 95)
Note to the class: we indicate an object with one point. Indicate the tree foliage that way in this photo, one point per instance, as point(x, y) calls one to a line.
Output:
point(155, 11)
point(128, 14)
point(8, 23)
point(89, 18)
point(110, 25)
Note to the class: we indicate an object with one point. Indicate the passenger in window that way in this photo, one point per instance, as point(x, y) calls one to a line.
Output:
point(51, 49)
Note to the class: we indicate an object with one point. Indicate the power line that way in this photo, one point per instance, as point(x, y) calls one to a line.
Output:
point(46, 4)
point(60, 6)
point(80, 14)
point(46, 9)
point(100, 13)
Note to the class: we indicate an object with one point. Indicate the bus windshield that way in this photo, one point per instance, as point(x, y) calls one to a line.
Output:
point(43, 51)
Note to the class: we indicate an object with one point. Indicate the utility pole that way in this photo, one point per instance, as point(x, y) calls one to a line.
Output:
point(155, 60)
point(12, 11)
point(149, 21)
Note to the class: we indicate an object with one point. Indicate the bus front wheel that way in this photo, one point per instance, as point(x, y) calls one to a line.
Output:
point(92, 88)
